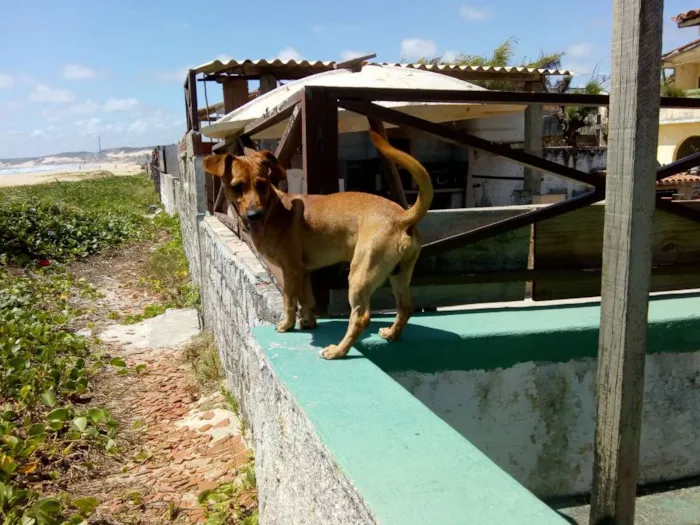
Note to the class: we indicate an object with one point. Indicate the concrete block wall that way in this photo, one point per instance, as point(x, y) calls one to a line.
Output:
point(191, 203)
point(168, 185)
point(298, 481)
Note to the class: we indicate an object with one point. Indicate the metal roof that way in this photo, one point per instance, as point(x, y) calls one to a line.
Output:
point(381, 76)
point(293, 69)
point(505, 71)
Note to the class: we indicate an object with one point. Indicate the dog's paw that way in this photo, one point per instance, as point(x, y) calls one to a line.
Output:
point(285, 325)
point(388, 334)
point(331, 352)
point(308, 324)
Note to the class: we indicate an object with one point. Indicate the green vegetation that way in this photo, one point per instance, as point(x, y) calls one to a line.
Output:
point(203, 355)
point(44, 372)
point(45, 369)
point(233, 502)
point(66, 220)
point(502, 56)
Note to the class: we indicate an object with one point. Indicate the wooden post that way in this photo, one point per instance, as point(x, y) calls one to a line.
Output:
point(533, 142)
point(391, 172)
point(319, 131)
point(629, 206)
point(191, 96)
point(235, 93)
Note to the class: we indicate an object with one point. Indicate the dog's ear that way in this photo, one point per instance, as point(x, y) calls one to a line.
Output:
point(277, 172)
point(218, 164)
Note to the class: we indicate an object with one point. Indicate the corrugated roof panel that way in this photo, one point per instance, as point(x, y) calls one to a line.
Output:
point(216, 66)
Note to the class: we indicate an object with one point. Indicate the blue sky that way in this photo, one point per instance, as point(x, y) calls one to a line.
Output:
point(73, 70)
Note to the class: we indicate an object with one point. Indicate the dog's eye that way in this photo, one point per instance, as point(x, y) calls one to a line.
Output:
point(261, 186)
point(237, 187)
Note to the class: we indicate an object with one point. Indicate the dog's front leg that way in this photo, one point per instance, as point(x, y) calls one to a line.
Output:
point(307, 303)
point(292, 286)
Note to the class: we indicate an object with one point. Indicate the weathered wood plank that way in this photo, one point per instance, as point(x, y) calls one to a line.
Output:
point(291, 138)
point(575, 240)
point(320, 141)
point(633, 139)
point(235, 93)
point(462, 138)
point(533, 142)
point(494, 97)
point(391, 172)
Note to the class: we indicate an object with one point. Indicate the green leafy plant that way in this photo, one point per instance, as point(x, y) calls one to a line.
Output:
point(234, 502)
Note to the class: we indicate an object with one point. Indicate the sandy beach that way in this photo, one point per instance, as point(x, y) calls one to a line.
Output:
point(88, 171)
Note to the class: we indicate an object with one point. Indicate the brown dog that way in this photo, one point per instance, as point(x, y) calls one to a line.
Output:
point(301, 233)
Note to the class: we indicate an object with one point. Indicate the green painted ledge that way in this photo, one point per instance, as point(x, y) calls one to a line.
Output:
point(409, 466)
point(501, 338)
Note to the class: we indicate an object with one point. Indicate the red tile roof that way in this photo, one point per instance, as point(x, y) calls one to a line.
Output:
point(682, 179)
point(682, 49)
point(688, 15)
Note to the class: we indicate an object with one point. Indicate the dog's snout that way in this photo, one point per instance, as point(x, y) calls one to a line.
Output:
point(254, 215)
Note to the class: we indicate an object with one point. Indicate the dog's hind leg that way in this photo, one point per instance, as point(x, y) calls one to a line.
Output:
point(365, 278)
point(306, 300)
point(401, 286)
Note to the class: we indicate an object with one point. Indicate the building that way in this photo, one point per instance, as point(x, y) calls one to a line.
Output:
point(679, 129)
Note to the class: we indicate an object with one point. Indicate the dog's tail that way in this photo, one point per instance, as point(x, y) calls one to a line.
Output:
point(416, 212)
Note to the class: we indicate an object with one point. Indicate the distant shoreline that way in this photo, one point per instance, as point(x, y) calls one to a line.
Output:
point(26, 175)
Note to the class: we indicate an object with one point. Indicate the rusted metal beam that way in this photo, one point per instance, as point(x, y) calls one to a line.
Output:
point(493, 97)
point(291, 138)
point(512, 223)
point(462, 138)
point(679, 166)
point(391, 172)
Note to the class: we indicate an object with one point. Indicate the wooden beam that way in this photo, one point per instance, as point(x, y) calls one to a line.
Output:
point(355, 64)
point(291, 138)
point(274, 116)
point(492, 97)
point(191, 95)
point(235, 93)
point(319, 112)
point(680, 210)
point(633, 140)
point(510, 224)
point(267, 83)
point(391, 172)
point(462, 138)
point(532, 183)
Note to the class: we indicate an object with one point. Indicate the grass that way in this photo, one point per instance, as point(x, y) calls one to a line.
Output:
point(203, 355)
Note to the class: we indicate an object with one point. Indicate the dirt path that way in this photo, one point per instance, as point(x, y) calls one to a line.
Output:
point(176, 440)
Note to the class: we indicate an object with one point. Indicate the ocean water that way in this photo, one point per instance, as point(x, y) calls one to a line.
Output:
point(41, 169)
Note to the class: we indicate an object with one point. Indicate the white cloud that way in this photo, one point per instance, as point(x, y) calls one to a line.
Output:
point(138, 126)
point(120, 104)
point(474, 14)
point(580, 50)
point(349, 54)
point(78, 72)
point(37, 133)
point(289, 53)
point(450, 55)
point(416, 48)
point(43, 93)
point(6, 81)
point(224, 58)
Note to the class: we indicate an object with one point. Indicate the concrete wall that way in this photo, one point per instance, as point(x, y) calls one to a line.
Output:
point(191, 204)
point(169, 184)
point(537, 420)
point(298, 482)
